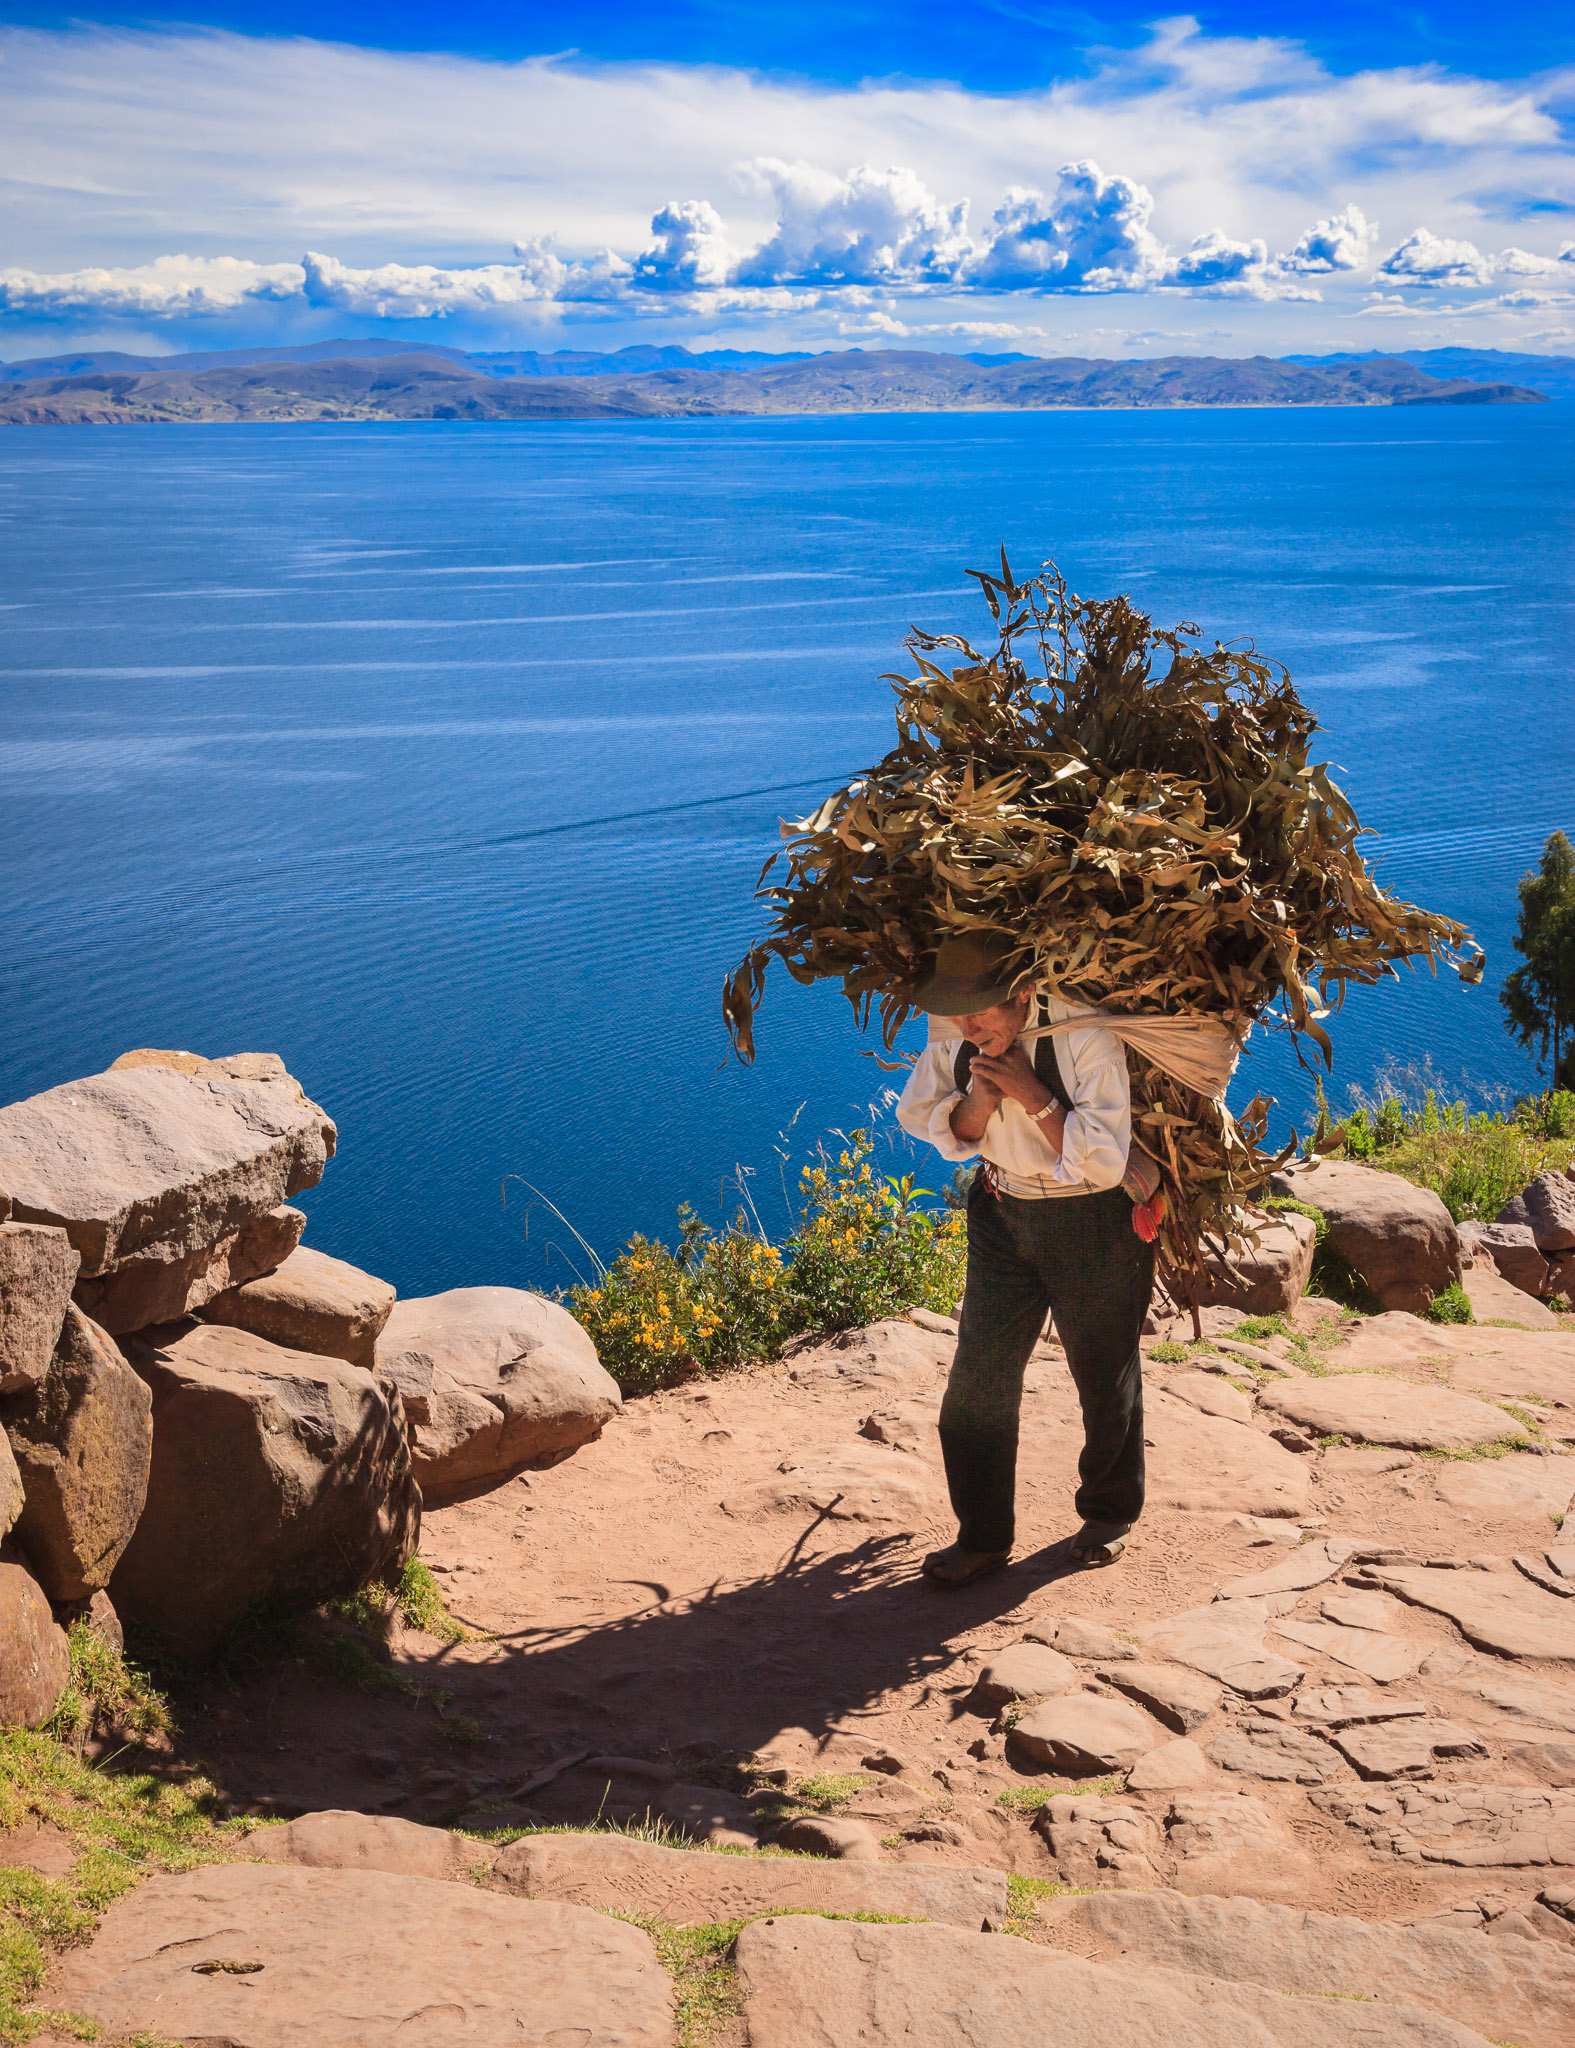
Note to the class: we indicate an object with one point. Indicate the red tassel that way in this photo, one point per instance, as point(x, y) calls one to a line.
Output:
point(1147, 1216)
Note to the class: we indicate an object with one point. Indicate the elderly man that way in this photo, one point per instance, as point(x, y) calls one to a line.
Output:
point(1050, 1230)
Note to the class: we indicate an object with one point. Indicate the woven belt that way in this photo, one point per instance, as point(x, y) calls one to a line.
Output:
point(1034, 1188)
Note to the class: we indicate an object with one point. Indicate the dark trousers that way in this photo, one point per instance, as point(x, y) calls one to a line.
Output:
point(1078, 1257)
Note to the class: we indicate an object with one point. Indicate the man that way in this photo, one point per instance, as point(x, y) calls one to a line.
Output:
point(1049, 1231)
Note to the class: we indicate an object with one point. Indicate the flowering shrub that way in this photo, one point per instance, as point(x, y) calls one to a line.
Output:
point(862, 1248)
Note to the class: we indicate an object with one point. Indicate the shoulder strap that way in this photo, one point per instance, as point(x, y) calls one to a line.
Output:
point(1048, 1070)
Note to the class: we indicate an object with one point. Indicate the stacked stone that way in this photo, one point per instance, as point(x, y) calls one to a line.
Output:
point(196, 1419)
point(1532, 1239)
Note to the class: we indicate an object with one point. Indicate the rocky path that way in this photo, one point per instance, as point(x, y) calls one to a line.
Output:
point(1301, 1768)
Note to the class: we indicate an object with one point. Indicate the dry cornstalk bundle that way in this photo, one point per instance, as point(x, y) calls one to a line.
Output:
point(1139, 816)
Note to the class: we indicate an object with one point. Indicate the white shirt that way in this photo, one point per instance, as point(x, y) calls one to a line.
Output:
point(1098, 1132)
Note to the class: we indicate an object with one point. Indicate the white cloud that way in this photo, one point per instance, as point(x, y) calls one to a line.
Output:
point(1429, 259)
point(689, 249)
point(116, 146)
point(1091, 234)
point(1342, 242)
point(869, 227)
point(169, 288)
point(400, 291)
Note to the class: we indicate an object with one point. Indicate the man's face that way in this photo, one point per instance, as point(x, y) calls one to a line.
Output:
point(995, 1030)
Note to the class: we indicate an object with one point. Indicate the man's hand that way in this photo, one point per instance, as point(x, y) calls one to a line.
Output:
point(1012, 1074)
point(976, 1108)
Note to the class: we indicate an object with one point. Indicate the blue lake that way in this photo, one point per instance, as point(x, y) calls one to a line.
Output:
point(443, 759)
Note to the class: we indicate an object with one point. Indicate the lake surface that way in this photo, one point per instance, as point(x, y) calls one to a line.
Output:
point(443, 759)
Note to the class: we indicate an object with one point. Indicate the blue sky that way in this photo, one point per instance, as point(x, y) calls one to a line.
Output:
point(1015, 176)
point(987, 47)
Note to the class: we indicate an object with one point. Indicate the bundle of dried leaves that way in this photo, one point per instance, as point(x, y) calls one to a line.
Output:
point(1150, 841)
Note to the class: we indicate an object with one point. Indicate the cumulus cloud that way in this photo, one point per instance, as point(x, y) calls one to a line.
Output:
point(1342, 242)
point(689, 250)
point(1424, 258)
point(1090, 234)
point(169, 288)
point(402, 291)
point(867, 227)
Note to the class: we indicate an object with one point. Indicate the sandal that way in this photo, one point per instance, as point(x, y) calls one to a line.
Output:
point(955, 1566)
point(1100, 1543)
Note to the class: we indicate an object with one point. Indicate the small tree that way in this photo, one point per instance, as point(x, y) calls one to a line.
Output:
point(1539, 998)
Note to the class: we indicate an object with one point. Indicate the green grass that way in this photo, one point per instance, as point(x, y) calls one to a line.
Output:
point(1451, 1306)
point(1023, 1895)
point(125, 1824)
point(829, 1791)
point(417, 1600)
point(1253, 1329)
point(1030, 1798)
point(700, 1961)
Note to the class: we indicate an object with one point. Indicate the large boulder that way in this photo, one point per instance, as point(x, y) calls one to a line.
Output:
point(35, 1661)
point(83, 1440)
point(165, 1283)
point(312, 1303)
point(279, 1479)
point(10, 1487)
point(38, 1269)
point(1512, 1248)
point(1547, 1208)
point(145, 1161)
point(1399, 1238)
point(494, 1381)
point(1267, 1278)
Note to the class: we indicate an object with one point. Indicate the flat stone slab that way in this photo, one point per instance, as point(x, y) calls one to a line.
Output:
point(1382, 1658)
point(145, 1156)
point(693, 1888)
point(1498, 1611)
point(1210, 1395)
point(362, 1959)
point(831, 1984)
point(310, 1303)
point(1375, 1611)
point(336, 1839)
point(1310, 1564)
point(1350, 1706)
point(1381, 1410)
point(1473, 1827)
point(1272, 1751)
point(1224, 1653)
point(1024, 1671)
point(1539, 1702)
point(1173, 1767)
point(1522, 1988)
point(1209, 1465)
point(1082, 1735)
point(1494, 1299)
point(1405, 1749)
point(1173, 1693)
point(1509, 1486)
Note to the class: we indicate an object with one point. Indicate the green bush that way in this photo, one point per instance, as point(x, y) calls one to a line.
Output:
point(1452, 1306)
point(1473, 1161)
point(863, 1247)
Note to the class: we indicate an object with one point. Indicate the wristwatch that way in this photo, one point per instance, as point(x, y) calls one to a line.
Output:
point(1039, 1115)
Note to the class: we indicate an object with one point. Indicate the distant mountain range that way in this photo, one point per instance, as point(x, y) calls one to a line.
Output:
point(1553, 376)
point(368, 380)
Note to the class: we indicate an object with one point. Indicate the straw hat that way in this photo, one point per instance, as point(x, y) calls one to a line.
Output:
point(968, 974)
